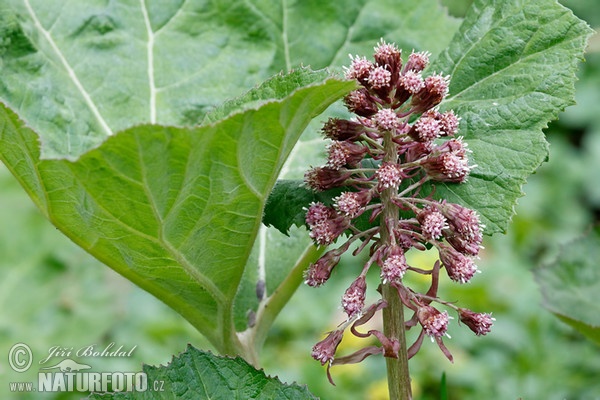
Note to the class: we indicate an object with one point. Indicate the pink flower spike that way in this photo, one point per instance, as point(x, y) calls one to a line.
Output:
point(379, 78)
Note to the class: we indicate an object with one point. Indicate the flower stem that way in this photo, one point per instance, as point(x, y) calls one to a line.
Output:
point(393, 315)
point(393, 327)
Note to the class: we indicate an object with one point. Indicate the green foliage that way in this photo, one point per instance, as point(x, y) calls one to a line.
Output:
point(200, 375)
point(174, 210)
point(570, 285)
point(513, 67)
point(74, 74)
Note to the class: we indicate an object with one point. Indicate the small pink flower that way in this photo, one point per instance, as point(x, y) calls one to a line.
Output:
point(387, 120)
point(324, 351)
point(318, 212)
point(353, 300)
point(341, 153)
point(412, 82)
point(417, 61)
point(360, 68)
point(460, 268)
point(432, 223)
point(379, 78)
point(389, 175)
point(426, 129)
point(434, 322)
point(324, 233)
point(448, 123)
point(394, 266)
point(479, 323)
point(352, 204)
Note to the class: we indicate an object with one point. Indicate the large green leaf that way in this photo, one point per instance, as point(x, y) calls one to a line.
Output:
point(512, 65)
point(175, 210)
point(198, 375)
point(172, 208)
point(571, 285)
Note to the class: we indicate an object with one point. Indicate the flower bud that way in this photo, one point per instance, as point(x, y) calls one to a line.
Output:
point(459, 267)
point(359, 102)
point(324, 233)
point(341, 153)
point(341, 129)
point(417, 62)
point(319, 272)
point(432, 94)
point(323, 178)
point(465, 230)
point(388, 56)
point(318, 212)
point(359, 69)
point(448, 162)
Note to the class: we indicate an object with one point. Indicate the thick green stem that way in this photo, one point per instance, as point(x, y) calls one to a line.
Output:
point(393, 315)
point(393, 327)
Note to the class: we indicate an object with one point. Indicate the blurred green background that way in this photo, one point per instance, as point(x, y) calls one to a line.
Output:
point(53, 294)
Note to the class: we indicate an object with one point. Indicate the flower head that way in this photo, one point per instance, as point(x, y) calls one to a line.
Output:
point(479, 323)
point(388, 175)
point(460, 268)
point(353, 300)
point(324, 351)
point(434, 322)
point(394, 266)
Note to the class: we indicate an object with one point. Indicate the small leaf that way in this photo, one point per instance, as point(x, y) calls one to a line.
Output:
point(200, 375)
point(512, 65)
point(571, 285)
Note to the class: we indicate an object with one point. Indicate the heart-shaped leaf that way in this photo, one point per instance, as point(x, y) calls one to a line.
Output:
point(175, 210)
